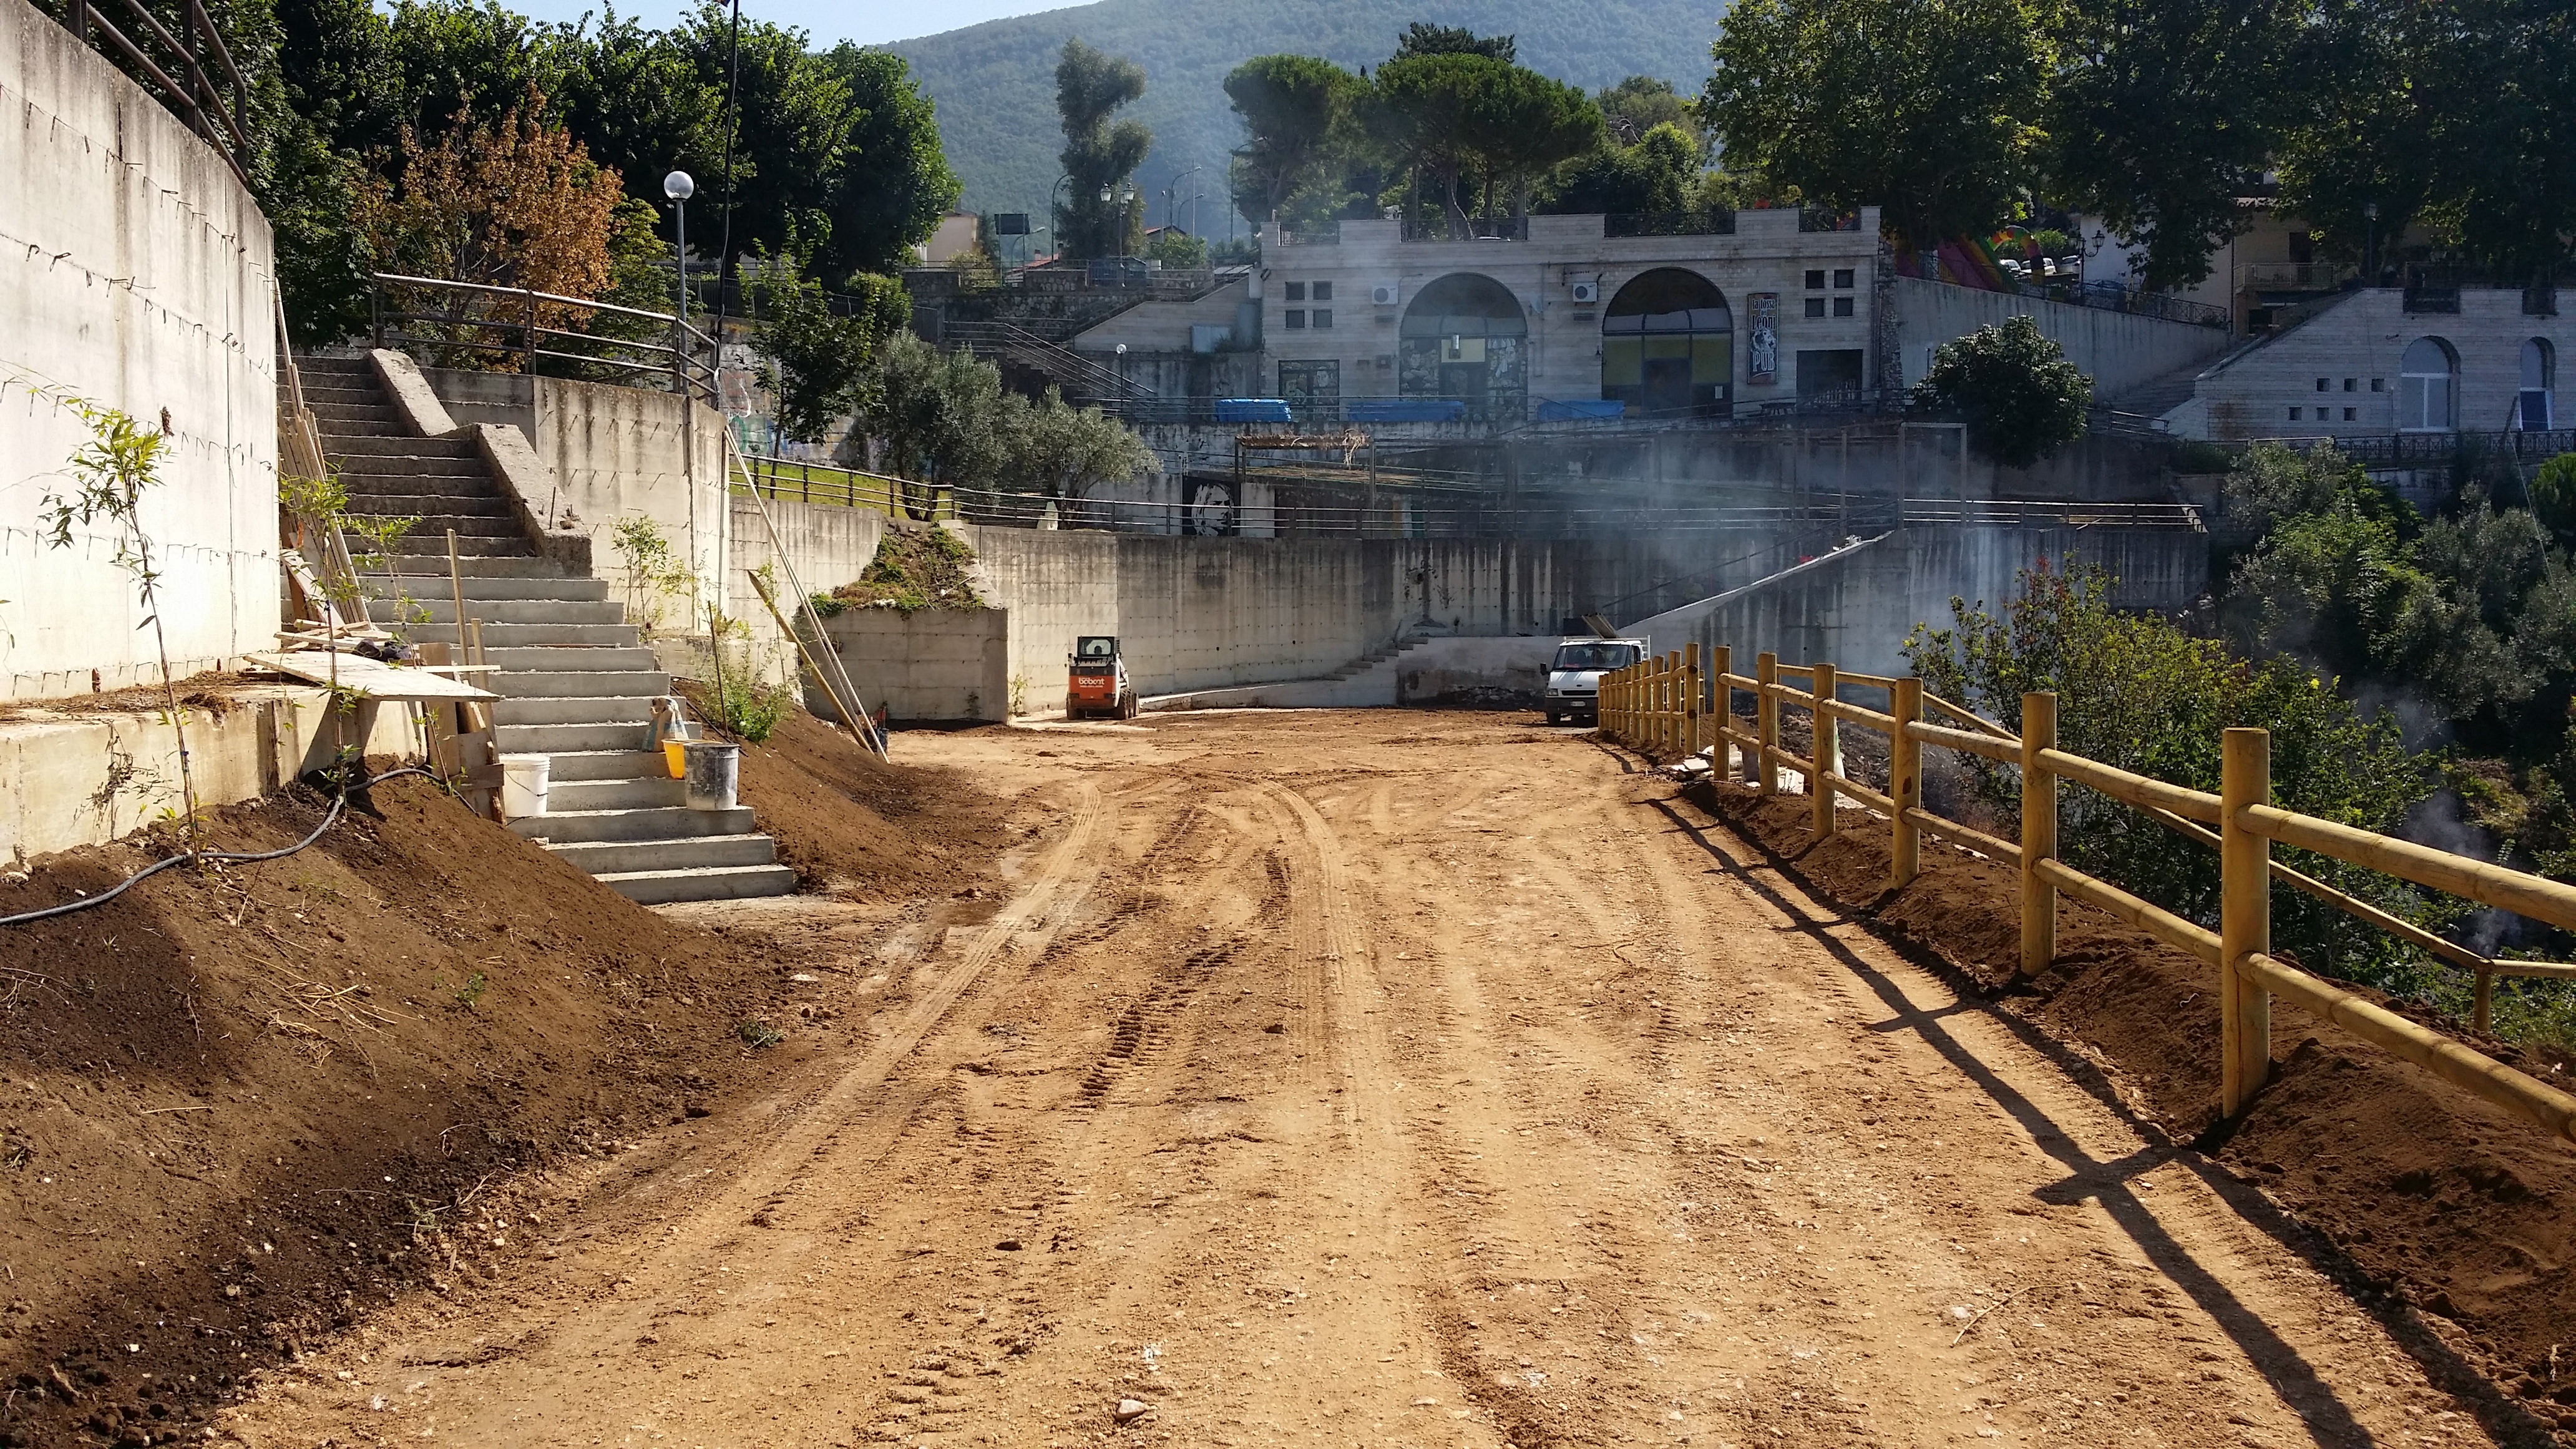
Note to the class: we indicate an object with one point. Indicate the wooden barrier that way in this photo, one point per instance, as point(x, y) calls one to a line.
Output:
point(1677, 704)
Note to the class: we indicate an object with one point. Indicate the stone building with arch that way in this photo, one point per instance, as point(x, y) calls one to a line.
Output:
point(1740, 312)
point(2392, 362)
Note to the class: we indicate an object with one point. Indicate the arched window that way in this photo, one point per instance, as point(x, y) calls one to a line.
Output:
point(2539, 380)
point(1667, 344)
point(2428, 387)
point(1464, 336)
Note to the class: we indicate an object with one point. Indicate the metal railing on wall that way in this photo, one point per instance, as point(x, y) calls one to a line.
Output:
point(511, 329)
point(1672, 705)
point(184, 71)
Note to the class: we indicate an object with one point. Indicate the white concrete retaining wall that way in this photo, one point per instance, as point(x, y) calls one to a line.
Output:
point(135, 272)
point(932, 664)
point(2118, 350)
point(69, 780)
point(614, 453)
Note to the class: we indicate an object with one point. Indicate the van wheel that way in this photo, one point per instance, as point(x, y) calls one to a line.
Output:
point(1131, 707)
point(1553, 717)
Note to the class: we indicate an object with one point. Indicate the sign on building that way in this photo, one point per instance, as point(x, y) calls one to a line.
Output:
point(1762, 338)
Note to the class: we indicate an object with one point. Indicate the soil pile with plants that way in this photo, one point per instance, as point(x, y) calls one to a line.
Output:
point(851, 823)
point(915, 568)
point(241, 1106)
point(2443, 1213)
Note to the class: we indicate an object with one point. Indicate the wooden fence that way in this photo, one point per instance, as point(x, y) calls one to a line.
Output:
point(1673, 705)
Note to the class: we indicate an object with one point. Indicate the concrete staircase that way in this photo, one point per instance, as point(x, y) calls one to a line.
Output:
point(576, 680)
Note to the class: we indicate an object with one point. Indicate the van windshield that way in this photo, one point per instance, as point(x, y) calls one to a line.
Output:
point(1594, 656)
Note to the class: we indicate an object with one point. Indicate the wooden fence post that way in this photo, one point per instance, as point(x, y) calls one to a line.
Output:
point(1673, 702)
point(1905, 782)
point(2038, 833)
point(1721, 700)
point(1690, 698)
point(1662, 705)
point(1766, 722)
point(1828, 750)
point(1605, 708)
point(2244, 919)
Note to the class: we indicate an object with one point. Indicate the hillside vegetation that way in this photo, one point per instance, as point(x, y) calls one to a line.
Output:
point(994, 84)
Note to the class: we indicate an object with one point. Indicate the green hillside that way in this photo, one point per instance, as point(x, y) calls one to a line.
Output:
point(995, 82)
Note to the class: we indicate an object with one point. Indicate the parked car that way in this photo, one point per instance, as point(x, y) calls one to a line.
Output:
point(1574, 675)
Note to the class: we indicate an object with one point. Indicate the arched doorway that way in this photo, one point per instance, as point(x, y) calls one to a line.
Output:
point(2428, 377)
point(1668, 345)
point(1465, 337)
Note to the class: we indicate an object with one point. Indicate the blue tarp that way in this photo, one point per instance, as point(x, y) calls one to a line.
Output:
point(1404, 409)
point(1551, 410)
point(1252, 410)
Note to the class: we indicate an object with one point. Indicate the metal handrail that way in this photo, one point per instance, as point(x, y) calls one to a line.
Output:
point(684, 356)
point(196, 99)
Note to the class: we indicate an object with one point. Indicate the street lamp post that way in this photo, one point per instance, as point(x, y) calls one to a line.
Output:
point(1174, 187)
point(2370, 248)
point(679, 187)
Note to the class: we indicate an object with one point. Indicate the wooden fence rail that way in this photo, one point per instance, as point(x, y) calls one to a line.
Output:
point(1678, 704)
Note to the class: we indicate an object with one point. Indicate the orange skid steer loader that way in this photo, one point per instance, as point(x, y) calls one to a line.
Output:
point(1096, 682)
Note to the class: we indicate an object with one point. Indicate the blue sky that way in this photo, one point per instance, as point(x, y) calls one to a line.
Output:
point(869, 22)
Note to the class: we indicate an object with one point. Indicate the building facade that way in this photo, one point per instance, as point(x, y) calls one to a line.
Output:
point(2387, 361)
point(1567, 320)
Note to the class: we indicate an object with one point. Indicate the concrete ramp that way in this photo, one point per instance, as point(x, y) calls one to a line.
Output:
point(1673, 628)
point(1410, 671)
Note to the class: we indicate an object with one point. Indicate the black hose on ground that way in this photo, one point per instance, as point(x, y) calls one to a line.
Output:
point(234, 857)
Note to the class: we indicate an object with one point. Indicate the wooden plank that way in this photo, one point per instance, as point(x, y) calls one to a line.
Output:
point(2007, 751)
point(2162, 924)
point(370, 678)
point(2145, 792)
point(2494, 885)
point(1866, 718)
point(2472, 1071)
point(1845, 785)
point(1970, 718)
point(1976, 840)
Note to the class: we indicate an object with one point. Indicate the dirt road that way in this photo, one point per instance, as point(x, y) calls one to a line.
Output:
point(1378, 1079)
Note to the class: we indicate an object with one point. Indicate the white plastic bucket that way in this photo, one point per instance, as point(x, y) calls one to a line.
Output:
point(711, 771)
point(523, 785)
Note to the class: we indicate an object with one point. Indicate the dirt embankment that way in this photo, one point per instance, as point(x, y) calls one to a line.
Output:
point(2429, 1198)
point(241, 1107)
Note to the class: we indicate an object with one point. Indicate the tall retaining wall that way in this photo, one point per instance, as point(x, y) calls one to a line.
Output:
point(2118, 350)
point(935, 664)
point(135, 272)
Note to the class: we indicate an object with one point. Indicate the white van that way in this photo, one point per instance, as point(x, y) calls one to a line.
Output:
point(1574, 675)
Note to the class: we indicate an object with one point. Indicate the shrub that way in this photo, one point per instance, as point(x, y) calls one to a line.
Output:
point(2135, 692)
point(2013, 387)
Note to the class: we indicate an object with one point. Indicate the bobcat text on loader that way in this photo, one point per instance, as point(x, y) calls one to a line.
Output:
point(1096, 682)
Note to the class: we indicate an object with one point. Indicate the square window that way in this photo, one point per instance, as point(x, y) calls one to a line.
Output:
point(2321, 382)
point(1815, 306)
point(1842, 306)
point(1297, 293)
point(2294, 412)
point(1296, 318)
point(2348, 383)
point(1815, 279)
point(1842, 276)
point(2349, 413)
point(1323, 291)
point(1323, 316)
point(2379, 384)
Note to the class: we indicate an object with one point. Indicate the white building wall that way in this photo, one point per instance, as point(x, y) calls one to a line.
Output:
point(135, 273)
point(2359, 341)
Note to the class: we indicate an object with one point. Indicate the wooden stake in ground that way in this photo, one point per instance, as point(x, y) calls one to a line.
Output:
point(858, 724)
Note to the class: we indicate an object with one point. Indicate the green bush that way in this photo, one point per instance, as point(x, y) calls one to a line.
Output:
point(2013, 387)
point(2135, 692)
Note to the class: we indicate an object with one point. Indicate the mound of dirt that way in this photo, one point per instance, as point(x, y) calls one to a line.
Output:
point(851, 823)
point(2423, 1197)
point(239, 1106)
point(914, 568)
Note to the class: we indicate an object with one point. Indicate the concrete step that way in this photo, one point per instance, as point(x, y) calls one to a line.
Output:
point(498, 636)
point(727, 883)
point(430, 468)
point(364, 447)
point(677, 822)
point(572, 684)
point(522, 613)
point(568, 659)
point(355, 418)
point(573, 739)
point(510, 570)
point(459, 505)
point(632, 711)
point(704, 852)
point(421, 544)
point(432, 527)
point(612, 764)
point(637, 794)
point(311, 363)
point(322, 388)
point(511, 587)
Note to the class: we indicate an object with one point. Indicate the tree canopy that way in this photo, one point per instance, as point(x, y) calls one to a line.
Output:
point(1294, 109)
point(1097, 217)
point(2013, 387)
